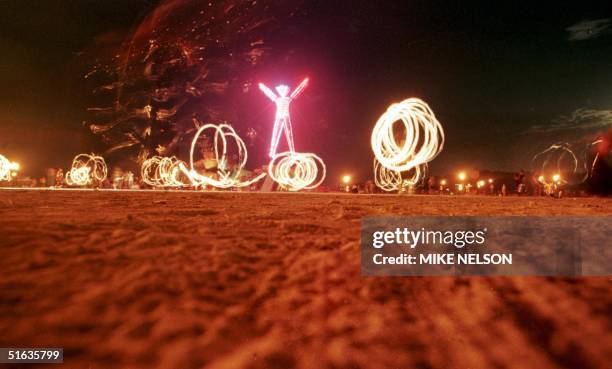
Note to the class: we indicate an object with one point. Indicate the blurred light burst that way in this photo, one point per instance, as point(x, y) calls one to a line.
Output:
point(186, 62)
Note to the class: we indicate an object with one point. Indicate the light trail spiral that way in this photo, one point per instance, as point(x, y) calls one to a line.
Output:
point(423, 140)
point(392, 180)
point(560, 158)
point(572, 160)
point(297, 171)
point(226, 177)
point(159, 171)
point(86, 169)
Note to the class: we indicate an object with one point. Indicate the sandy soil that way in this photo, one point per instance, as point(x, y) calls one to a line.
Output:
point(244, 280)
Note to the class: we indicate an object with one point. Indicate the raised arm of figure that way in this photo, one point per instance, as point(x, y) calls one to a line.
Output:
point(298, 90)
point(271, 95)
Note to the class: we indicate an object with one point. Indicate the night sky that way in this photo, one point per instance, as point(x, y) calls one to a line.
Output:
point(506, 80)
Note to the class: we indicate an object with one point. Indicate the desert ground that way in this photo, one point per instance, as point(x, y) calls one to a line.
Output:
point(252, 280)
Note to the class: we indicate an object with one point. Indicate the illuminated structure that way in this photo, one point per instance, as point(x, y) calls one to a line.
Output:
point(297, 171)
point(159, 171)
point(226, 177)
point(422, 141)
point(86, 170)
point(294, 171)
point(282, 120)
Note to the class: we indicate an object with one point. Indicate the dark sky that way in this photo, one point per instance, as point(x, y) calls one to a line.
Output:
point(505, 79)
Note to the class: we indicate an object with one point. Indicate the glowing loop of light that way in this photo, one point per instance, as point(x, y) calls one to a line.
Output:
point(423, 141)
point(597, 157)
point(391, 180)
point(158, 171)
point(553, 159)
point(86, 169)
point(227, 177)
point(5, 169)
point(297, 171)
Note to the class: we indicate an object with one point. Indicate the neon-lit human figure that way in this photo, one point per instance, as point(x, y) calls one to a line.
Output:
point(282, 121)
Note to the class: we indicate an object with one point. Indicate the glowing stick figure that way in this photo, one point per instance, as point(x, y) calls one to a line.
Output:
point(282, 121)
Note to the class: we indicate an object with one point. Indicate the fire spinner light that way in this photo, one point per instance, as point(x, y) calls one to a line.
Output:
point(158, 171)
point(422, 142)
point(86, 169)
point(282, 120)
point(392, 180)
point(226, 177)
point(561, 158)
point(297, 171)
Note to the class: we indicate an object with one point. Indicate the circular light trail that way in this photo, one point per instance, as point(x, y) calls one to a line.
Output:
point(86, 169)
point(561, 158)
point(297, 171)
point(158, 171)
point(423, 138)
point(392, 180)
point(226, 177)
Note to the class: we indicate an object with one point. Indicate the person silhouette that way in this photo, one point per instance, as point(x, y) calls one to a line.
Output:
point(282, 120)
